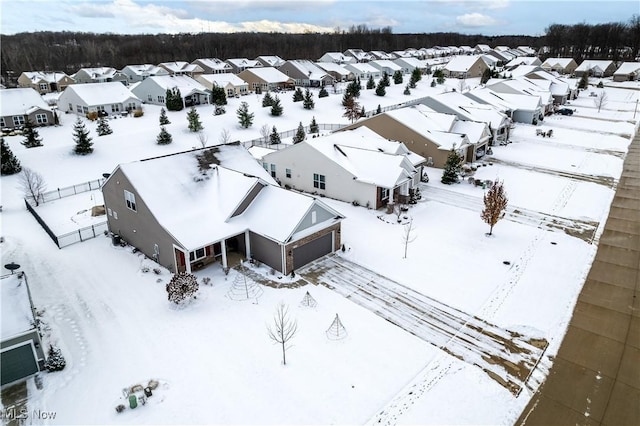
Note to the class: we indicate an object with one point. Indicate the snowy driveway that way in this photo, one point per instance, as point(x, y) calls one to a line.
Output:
point(506, 356)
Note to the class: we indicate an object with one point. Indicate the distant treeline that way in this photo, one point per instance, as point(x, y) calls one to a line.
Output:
point(70, 51)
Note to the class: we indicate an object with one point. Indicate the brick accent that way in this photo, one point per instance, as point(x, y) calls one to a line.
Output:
point(289, 247)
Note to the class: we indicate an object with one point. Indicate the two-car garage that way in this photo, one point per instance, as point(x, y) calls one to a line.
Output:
point(312, 250)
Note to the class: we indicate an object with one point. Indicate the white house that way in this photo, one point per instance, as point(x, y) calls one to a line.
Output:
point(136, 73)
point(339, 72)
point(627, 71)
point(182, 68)
point(337, 58)
point(18, 105)
point(106, 98)
point(213, 65)
point(386, 65)
point(356, 166)
point(97, 75)
point(232, 84)
point(520, 108)
point(363, 70)
point(153, 90)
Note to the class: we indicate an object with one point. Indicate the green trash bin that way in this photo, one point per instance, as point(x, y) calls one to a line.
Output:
point(133, 401)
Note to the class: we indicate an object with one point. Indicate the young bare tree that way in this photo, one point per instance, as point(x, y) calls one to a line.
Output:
point(202, 138)
point(408, 236)
point(265, 131)
point(495, 202)
point(601, 100)
point(225, 136)
point(283, 329)
point(462, 85)
point(32, 184)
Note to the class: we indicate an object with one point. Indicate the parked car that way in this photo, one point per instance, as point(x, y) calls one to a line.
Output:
point(565, 111)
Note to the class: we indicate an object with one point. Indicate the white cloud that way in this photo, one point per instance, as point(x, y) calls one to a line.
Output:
point(475, 20)
point(479, 4)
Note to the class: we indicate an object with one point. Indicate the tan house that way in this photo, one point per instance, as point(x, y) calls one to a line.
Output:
point(596, 68)
point(627, 71)
point(560, 65)
point(465, 67)
point(266, 78)
point(45, 81)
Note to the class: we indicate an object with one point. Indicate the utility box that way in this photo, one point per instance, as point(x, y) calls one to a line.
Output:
point(147, 392)
point(133, 401)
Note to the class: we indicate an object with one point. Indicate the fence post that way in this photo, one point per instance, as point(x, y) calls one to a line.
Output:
point(80, 234)
point(94, 231)
point(59, 196)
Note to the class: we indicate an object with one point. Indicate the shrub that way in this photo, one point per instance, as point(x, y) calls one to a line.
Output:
point(182, 287)
point(138, 113)
point(93, 115)
point(55, 361)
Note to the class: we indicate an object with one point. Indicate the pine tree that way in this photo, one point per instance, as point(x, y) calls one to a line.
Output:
point(164, 120)
point(379, 110)
point(313, 127)
point(353, 89)
point(300, 134)
point(308, 100)
point(164, 137)
point(495, 202)
point(416, 75)
point(371, 83)
point(397, 77)
point(32, 138)
point(173, 100)
point(363, 113)
point(245, 118)
point(297, 95)
point(218, 96)
point(380, 90)
point(195, 125)
point(385, 80)
point(323, 93)
point(9, 162)
point(274, 137)
point(276, 108)
point(433, 83)
point(452, 167)
point(103, 127)
point(406, 90)
point(267, 100)
point(81, 138)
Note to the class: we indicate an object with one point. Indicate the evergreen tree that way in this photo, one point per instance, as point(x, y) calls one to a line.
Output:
point(406, 90)
point(276, 108)
point(164, 138)
point(323, 93)
point(371, 83)
point(164, 120)
point(313, 127)
point(274, 137)
point(379, 110)
point(385, 80)
point(452, 167)
point(380, 90)
point(81, 138)
point(173, 100)
point(245, 118)
point(363, 113)
point(416, 75)
point(353, 89)
point(308, 100)
point(433, 83)
point(267, 100)
point(439, 76)
point(103, 127)
point(218, 96)
point(300, 134)
point(32, 138)
point(397, 77)
point(195, 125)
point(9, 162)
point(297, 95)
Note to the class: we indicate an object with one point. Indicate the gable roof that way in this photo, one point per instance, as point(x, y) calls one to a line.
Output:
point(100, 93)
point(99, 72)
point(185, 84)
point(267, 74)
point(213, 63)
point(508, 101)
point(628, 68)
point(145, 70)
point(413, 119)
point(362, 67)
point(338, 57)
point(19, 101)
point(333, 67)
point(523, 60)
point(386, 63)
point(49, 77)
point(244, 63)
point(222, 79)
point(461, 63)
point(180, 67)
point(471, 110)
point(589, 64)
point(309, 69)
point(560, 62)
point(272, 61)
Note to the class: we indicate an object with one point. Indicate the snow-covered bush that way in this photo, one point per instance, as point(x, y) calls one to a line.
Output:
point(55, 361)
point(183, 286)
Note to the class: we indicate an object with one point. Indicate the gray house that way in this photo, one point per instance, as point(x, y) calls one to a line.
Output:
point(18, 105)
point(194, 208)
point(21, 353)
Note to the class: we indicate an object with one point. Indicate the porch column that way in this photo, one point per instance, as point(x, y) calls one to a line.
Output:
point(223, 248)
point(247, 245)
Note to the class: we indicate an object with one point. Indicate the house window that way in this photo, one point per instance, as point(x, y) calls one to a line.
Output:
point(149, 97)
point(318, 181)
point(70, 107)
point(161, 99)
point(265, 166)
point(115, 107)
point(44, 86)
point(273, 170)
point(79, 108)
point(2, 124)
point(130, 199)
point(384, 194)
point(41, 118)
point(131, 106)
point(196, 255)
point(85, 109)
point(18, 120)
point(288, 172)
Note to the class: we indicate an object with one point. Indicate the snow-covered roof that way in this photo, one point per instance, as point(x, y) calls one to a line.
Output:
point(507, 101)
point(386, 63)
point(362, 67)
point(359, 54)
point(522, 85)
point(102, 93)
point(222, 79)
point(145, 69)
point(99, 72)
point(471, 110)
point(379, 54)
point(268, 74)
point(589, 64)
point(333, 67)
point(180, 67)
point(483, 47)
point(49, 77)
point(461, 63)
point(560, 62)
point(185, 84)
point(628, 68)
point(411, 61)
point(273, 61)
point(413, 119)
point(309, 69)
point(16, 313)
point(18, 101)
point(213, 63)
point(338, 57)
point(244, 63)
point(522, 60)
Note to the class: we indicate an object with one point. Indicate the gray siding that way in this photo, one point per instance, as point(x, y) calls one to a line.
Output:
point(266, 251)
point(321, 216)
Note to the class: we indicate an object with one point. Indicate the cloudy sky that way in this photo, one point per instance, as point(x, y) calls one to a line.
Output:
point(488, 17)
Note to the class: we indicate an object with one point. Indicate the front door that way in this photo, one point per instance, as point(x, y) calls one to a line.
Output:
point(181, 265)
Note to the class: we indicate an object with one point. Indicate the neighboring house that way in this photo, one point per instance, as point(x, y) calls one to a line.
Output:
point(266, 78)
point(560, 65)
point(355, 166)
point(465, 67)
point(45, 81)
point(137, 73)
point(18, 105)
point(628, 71)
point(503, 57)
point(107, 98)
point(337, 71)
point(491, 61)
point(409, 64)
point(358, 54)
point(527, 50)
point(271, 61)
point(524, 86)
point(467, 109)
point(379, 54)
point(481, 48)
point(519, 108)
point(182, 68)
point(153, 90)
point(363, 70)
point(306, 74)
point(240, 64)
point(596, 68)
point(337, 58)
point(193, 208)
point(561, 89)
point(21, 351)
point(523, 60)
point(213, 66)
point(232, 84)
point(428, 52)
point(385, 65)
point(98, 75)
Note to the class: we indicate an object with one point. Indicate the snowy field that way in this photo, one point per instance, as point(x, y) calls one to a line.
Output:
point(107, 310)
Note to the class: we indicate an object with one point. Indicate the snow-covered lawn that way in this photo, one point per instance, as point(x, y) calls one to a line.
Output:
point(214, 360)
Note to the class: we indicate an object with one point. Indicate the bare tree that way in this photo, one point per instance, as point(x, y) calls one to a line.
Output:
point(225, 136)
point(265, 131)
point(283, 329)
point(202, 138)
point(32, 184)
point(601, 100)
point(495, 202)
point(351, 108)
point(408, 236)
point(462, 85)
